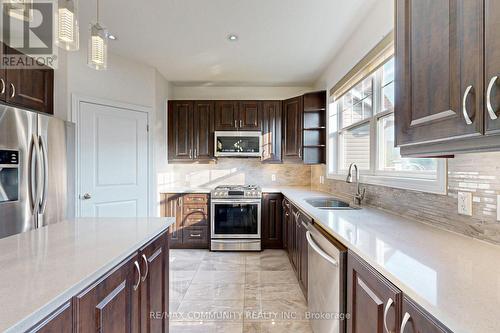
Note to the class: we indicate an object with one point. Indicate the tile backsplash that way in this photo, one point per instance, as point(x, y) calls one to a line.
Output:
point(476, 173)
point(234, 171)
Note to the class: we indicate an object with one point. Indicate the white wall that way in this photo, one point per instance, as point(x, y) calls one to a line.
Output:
point(376, 25)
point(236, 92)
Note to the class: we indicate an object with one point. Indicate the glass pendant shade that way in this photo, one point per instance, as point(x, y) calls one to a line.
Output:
point(68, 32)
point(98, 47)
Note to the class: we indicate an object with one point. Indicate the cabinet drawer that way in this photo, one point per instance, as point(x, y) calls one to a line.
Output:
point(195, 198)
point(195, 235)
point(195, 215)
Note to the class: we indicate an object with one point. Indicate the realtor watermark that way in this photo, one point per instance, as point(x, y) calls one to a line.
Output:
point(28, 30)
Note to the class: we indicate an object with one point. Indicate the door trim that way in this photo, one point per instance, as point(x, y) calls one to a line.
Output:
point(74, 116)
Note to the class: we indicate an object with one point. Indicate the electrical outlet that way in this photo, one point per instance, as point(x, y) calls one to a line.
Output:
point(321, 179)
point(273, 177)
point(465, 203)
point(498, 207)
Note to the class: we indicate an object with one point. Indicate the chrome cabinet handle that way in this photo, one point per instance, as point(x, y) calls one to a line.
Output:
point(236, 123)
point(406, 318)
point(300, 152)
point(138, 270)
point(195, 153)
point(3, 86)
point(318, 250)
point(390, 302)
point(241, 123)
point(13, 91)
point(195, 235)
point(491, 111)
point(190, 153)
point(143, 278)
point(468, 121)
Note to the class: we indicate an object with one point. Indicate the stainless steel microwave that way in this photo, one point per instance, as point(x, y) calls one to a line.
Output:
point(238, 144)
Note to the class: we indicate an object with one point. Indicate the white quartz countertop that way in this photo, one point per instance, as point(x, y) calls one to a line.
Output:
point(43, 268)
point(454, 277)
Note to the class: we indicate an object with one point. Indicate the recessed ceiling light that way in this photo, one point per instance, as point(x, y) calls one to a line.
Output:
point(232, 37)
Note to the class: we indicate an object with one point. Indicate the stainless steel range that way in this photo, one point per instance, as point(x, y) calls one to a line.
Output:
point(236, 218)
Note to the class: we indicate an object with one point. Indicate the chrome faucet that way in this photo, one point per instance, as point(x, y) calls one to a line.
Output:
point(360, 195)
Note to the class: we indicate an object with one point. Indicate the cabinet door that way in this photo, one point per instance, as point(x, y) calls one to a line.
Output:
point(226, 115)
point(272, 237)
point(303, 252)
point(292, 129)
point(203, 130)
point(286, 222)
point(369, 295)
point(417, 320)
point(291, 237)
point(60, 320)
point(492, 65)
point(106, 305)
point(154, 285)
point(180, 129)
point(171, 207)
point(439, 55)
point(249, 116)
point(271, 131)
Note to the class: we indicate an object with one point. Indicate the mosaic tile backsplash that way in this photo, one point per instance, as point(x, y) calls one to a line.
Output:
point(234, 171)
point(476, 173)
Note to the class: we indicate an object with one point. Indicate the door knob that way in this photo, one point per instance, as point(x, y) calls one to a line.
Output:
point(86, 196)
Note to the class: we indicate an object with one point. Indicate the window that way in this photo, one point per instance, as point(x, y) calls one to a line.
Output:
point(361, 131)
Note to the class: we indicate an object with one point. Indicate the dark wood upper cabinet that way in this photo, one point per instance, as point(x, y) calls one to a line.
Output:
point(203, 130)
point(180, 125)
point(292, 129)
point(438, 57)
point(28, 88)
point(272, 221)
point(373, 302)
point(190, 131)
point(271, 131)
point(417, 320)
point(249, 116)
point(492, 65)
point(226, 116)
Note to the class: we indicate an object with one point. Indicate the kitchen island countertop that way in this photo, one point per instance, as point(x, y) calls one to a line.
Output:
point(43, 268)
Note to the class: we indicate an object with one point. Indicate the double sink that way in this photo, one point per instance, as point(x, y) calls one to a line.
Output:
point(330, 203)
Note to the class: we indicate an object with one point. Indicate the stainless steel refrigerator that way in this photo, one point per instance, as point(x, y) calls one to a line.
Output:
point(37, 170)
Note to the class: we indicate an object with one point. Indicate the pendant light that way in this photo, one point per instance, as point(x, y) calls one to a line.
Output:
point(98, 45)
point(68, 31)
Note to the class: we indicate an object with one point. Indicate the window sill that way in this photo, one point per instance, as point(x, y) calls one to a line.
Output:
point(435, 186)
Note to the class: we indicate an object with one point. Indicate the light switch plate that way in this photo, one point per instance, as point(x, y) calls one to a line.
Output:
point(273, 177)
point(465, 203)
point(498, 207)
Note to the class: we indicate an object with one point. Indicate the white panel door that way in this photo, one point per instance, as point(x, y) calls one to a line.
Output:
point(113, 146)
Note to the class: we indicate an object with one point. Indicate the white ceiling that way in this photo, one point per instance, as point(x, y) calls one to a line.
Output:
point(281, 42)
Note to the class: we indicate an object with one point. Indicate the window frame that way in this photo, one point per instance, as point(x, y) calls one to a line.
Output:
point(435, 183)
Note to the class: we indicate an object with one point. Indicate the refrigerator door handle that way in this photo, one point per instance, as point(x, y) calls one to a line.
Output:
point(43, 149)
point(36, 184)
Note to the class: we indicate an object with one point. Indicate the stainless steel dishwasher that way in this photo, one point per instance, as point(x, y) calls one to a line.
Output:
point(326, 283)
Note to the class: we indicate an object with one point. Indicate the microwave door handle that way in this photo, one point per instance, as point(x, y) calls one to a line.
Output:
point(43, 150)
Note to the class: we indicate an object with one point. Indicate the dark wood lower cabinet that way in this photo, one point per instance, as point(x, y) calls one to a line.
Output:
point(417, 320)
point(60, 320)
point(154, 285)
point(272, 221)
point(106, 305)
point(372, 301)
point(192, 227)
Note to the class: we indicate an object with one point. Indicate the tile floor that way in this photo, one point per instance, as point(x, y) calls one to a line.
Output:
point(227, 292)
